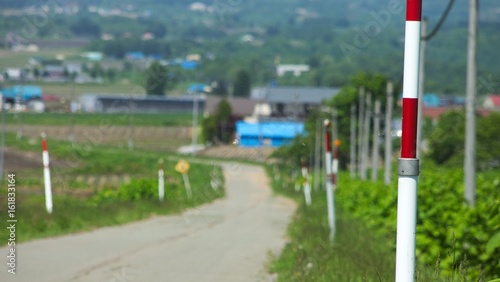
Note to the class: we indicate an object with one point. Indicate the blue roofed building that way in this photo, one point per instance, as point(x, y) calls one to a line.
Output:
point(267, 133)
point(22, 92)
point(136, 55)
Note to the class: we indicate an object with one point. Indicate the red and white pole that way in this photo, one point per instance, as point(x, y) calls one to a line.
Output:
point(46, 174)
point(161, 180)
point(307, 186)
point(329, 179)
point(408, 167)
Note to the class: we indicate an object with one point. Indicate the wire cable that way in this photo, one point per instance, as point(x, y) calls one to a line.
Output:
point(440, 23)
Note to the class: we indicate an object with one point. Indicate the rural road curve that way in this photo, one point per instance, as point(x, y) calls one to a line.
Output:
point(228, 240)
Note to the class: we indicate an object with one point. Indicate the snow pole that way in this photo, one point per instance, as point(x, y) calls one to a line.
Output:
point(46, 174)
point(307, 185)
point(161, 180)
point(329, 179)
point(408, 166)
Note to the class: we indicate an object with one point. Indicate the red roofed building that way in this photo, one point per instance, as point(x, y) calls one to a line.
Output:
point(492, 102)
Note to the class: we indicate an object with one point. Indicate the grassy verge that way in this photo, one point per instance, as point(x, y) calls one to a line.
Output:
point(109, 206)
point(357, 254)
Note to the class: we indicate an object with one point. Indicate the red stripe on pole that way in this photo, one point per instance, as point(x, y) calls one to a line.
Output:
point(328, 137)
point(44, 145)
point(409, 134)
point(414, 10)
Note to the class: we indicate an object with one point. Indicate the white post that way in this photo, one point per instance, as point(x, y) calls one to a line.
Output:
point(161, 180)
point(307, 186)
point(46, 174)
point(388, 135)
point(188, 186)
point(376, 129)
point(329, 182)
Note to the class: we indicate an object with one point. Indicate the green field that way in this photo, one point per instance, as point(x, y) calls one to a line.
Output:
point(121, 119)
point(134, 200)
point(454, 242)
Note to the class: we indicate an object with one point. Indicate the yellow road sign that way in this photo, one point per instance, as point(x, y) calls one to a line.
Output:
point(182, 166)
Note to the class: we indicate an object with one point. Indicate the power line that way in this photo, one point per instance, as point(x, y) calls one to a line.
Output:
point(440, 23)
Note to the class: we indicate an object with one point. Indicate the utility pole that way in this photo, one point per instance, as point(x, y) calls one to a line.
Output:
point(194, 137)
point(388, 134)
point(421, 82)
point(317, 155)
point(353, 141)
point(366, 136)
point(131, 124)
point(2, 136)
point(71, 135)
point(376, 129)
point(361, 111)
point(470, 123)
point(335, 125)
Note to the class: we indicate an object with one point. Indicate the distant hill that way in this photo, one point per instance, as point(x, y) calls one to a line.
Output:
point(338, 38)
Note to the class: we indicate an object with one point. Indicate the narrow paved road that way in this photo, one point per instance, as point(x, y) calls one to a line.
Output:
point(228, 240)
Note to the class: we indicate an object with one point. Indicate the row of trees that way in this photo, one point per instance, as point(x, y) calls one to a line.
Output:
point(158, 78)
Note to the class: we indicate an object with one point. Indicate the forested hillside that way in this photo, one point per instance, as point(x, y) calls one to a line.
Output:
point(336, 38)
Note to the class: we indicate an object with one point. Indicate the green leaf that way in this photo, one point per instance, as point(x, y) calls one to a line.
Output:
point(493, 243)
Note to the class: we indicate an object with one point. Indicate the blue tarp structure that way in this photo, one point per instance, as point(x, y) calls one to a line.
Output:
point(26, 92)
point(273, 134)
point(136, 55)
point(189, 65)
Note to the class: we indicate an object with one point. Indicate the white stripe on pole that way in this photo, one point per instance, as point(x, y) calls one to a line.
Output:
point(411, 68)
point(46, 175)
point(161, 181)
point(307, 186)
point(407, 220)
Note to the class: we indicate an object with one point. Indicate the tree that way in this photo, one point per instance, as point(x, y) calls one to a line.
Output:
point(214, 127)
point(155, 79)
point(86, 27)
point(242, 84)
point(96, 70)
point(446, 143)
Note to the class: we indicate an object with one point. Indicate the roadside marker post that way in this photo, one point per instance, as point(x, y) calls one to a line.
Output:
point(329, 179)
point(161, 180)
point(408, 166)
point(307, 185)
point(182, 167)
point(46, 174)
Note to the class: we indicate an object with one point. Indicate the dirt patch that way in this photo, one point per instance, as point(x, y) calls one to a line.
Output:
point(17, 161)
point(144, 137)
